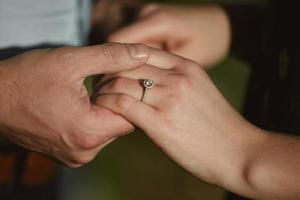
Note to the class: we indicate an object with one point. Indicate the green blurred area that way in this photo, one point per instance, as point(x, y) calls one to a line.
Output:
point(132, 167)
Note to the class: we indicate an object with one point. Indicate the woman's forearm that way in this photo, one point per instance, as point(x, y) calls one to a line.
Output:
point(270, 168)
point(276, 169)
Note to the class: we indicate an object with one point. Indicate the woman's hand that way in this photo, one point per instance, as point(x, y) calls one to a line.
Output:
point(200, 33)
point(186, 116)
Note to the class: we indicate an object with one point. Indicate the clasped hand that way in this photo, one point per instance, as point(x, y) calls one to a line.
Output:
point(46, 107)
point(184, 113)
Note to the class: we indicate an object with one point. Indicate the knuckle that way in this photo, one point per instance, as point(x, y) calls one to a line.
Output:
point(111, 52)
point(128, 130)
point(78, 160)
point(181, 81)
point(124, 102)
point(190, 68)
point(174, 100)
point(84, 141)
point(193, 68)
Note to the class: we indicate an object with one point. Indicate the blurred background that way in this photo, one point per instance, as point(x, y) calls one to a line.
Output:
point(133, 168)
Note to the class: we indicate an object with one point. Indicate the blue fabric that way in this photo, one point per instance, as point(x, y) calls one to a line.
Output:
point(33, 22)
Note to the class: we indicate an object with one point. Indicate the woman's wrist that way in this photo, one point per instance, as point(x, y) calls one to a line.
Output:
point(245, 150)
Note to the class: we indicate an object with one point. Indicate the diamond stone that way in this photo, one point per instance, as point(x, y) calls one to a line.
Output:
point(148, 83)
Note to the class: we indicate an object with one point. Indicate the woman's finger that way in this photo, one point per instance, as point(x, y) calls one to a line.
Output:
point(131, 87)
point(142, 115)
point(163, 59)
point(158, 75)
point(112, 125)
point(147, 72)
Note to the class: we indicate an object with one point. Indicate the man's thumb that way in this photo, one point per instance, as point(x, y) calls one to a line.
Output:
point(112, 58)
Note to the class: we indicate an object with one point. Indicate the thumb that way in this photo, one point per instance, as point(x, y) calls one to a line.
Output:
point(142, 115)
point(109, 58)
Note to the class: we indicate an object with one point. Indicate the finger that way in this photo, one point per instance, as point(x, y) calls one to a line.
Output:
point(93, 152)
point(144, 72)
point(199, 57)
point(132, 88)
point(164, 60)
point(84, 156)
point(107, 58)
point(149, 9)
point(148, 31)
point(154, 44)
point(106, 124)
point(147, 72)
point(138, 113)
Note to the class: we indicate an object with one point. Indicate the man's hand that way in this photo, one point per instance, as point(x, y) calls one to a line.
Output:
point(200, 33)
point(45, 106)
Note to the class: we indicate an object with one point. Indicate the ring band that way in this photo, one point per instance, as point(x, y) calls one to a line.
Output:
point(147, 85)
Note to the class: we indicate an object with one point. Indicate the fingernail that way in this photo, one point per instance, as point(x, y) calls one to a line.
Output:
point(138, 51)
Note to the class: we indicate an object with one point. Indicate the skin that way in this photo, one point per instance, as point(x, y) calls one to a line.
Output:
point(188, 118)
point(45, 106)
point(200, 33)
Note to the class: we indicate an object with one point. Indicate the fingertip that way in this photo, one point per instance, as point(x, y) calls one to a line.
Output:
point(138, 51)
